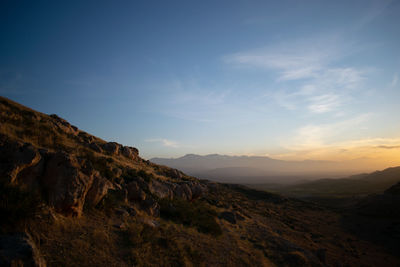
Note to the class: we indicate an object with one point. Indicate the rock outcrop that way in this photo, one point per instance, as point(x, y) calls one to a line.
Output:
point(15, 157)
point(116, 149)
point(63, 125)
point(135, 192)
point(69, 182)
point(130, 152)
point(71, 168)
point(112, 148)
point(65, 184)
point(98, 190)
point(160, 189)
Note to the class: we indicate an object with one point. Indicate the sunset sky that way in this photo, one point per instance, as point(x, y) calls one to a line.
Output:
point(286, 79)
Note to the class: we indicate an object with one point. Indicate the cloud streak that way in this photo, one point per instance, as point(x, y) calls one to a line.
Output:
point(313, 136)
point(163, 142)
point(289, 62)
point(318, 86)
point(374, 153)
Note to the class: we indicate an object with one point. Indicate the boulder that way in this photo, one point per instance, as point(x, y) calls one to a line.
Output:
point(150, 206)
point(98, 190)
point(19, 250)
point(30, 176)
point(197, 189)
point(130, 152)
point(135, 192)
point(86, 138)
point(160, 189)
point(65, 185)
point(15, 157)
point(112, 148)
point(64, 125)
point(183, 191)
point(95, 147)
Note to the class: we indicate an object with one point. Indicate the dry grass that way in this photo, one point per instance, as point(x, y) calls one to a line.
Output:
point(93, 240)
point(86, 241)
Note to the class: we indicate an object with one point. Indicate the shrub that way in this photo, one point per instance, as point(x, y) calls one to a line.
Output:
point(194, 214)
point(145, 242)
point(137, 235)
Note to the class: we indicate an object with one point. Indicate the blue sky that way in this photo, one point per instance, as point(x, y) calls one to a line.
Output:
point(288, 79)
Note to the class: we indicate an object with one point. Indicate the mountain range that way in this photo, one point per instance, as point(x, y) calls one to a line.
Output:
point(257, 169)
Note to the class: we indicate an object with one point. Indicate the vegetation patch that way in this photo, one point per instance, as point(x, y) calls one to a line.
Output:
point(194, 214)
point(101, 164)
point(144, 242)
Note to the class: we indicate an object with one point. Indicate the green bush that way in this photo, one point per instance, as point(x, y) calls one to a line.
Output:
point(193, 214)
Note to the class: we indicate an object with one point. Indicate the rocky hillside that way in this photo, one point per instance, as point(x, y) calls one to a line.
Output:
point(72, 168)
point(68, 198)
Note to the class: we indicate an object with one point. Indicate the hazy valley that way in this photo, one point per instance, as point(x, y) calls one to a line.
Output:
point(259, 170)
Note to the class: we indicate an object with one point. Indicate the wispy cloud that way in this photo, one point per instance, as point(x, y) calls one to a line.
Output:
point(319, 86)
point(389, 147)
point(164, 142)
point(324, 103)
point(313, 136)
point(291, 63)
point(368, 153)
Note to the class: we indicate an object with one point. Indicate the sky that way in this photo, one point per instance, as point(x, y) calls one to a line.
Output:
point(285, 79)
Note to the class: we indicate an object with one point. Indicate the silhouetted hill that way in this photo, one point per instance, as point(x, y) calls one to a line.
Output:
point(356, 185)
